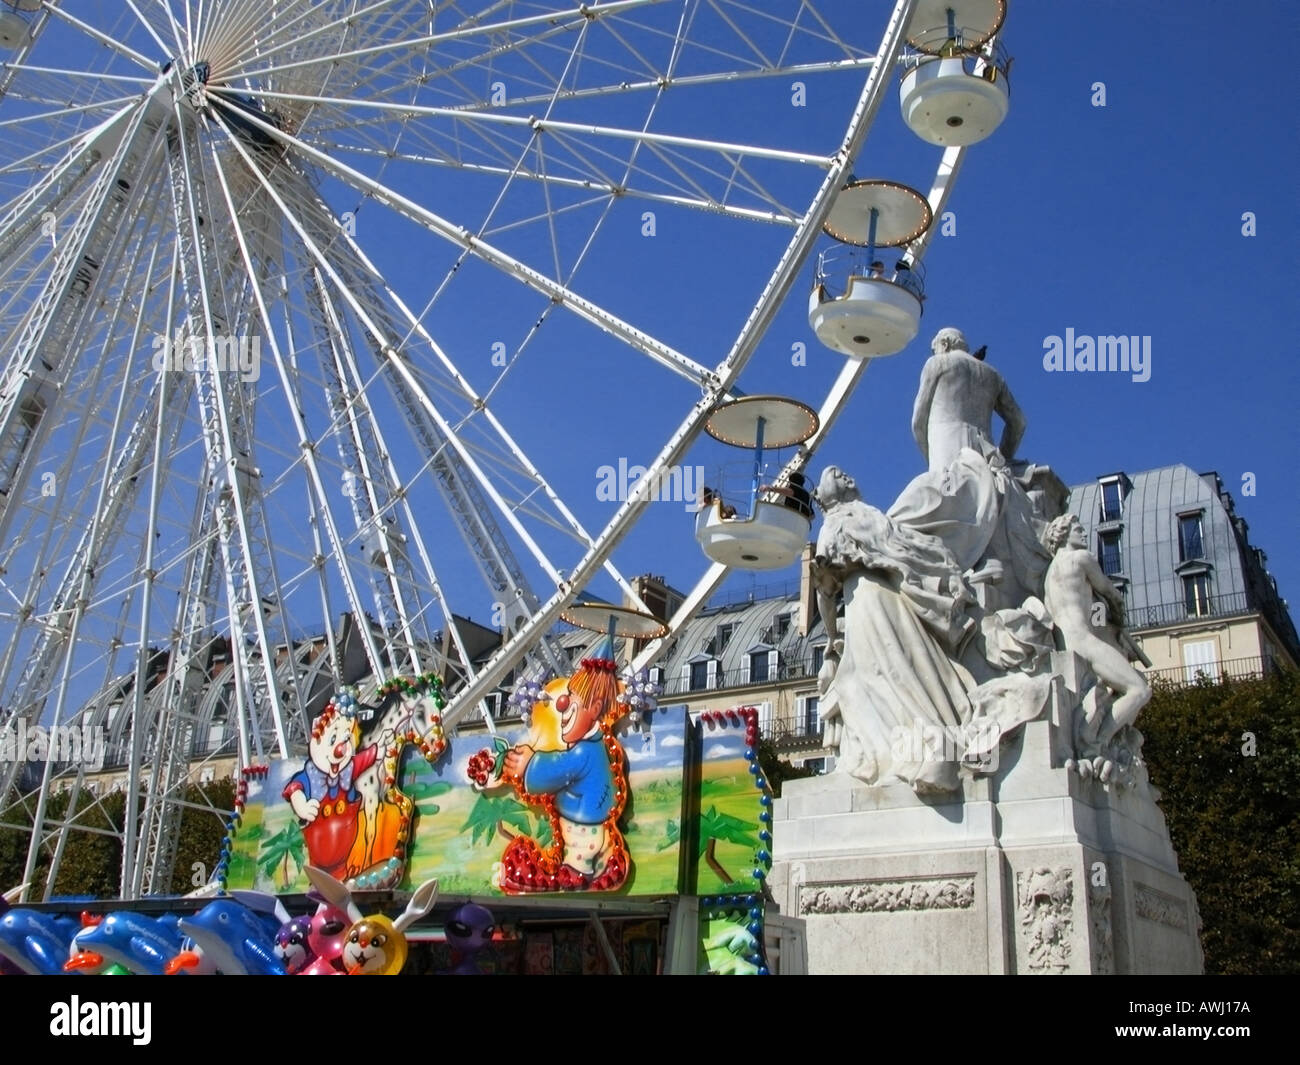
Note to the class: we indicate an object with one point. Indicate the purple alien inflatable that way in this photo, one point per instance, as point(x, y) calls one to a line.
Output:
point(469, 930)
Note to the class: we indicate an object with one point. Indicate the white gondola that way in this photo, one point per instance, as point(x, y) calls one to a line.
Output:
point(872, 317)
point(770, 538)
point(774, 533)
point(955, 92)
point(862, 313)
point(15, 27)
point(956, 101)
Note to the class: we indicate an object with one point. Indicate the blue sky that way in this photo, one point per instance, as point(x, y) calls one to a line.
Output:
point(1122, 219)
point(1117, 220)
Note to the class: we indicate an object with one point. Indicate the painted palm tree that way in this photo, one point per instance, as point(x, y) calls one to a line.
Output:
point(492, 814)
point(714, 828)
point(280, 850)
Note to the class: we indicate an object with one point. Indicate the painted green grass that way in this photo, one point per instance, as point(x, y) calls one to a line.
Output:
point(460, 851)
point(729, 807)
point(448, 846)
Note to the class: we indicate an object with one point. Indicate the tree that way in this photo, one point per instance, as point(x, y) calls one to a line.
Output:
point(13, 842)
point(715, 827)
point(493, 814)
point(203, 827)
point(1226, 757)
point(92, 861)
point(776, 770)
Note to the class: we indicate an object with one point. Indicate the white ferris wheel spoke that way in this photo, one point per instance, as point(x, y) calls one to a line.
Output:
point(89, 76)
point(106, 39)
point(481, 405)
point(638, 339)
point(167, 49)
point(199, 515)
point(396, 362)
point(581, 18)
point(320, 498)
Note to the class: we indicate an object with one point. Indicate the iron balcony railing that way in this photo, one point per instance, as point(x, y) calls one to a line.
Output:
point(1217, 673)
point(1155, 615)
point(789, 669)
point(798, 729)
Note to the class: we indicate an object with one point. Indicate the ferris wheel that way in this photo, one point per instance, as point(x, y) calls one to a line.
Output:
point(311, 310)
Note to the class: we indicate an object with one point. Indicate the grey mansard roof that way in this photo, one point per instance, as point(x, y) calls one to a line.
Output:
point(1152, 567)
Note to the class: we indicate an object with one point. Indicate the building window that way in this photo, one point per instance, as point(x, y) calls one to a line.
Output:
point(758, 671)
point(699, 676)
point(724, 635)
point(1196, 594)
point(1200, 659)
point(817, 765)
point(1111, 501)
point(812, 720)
point(777, 632)
point(818, 657)
point(1108, 553)
point(1189, 538)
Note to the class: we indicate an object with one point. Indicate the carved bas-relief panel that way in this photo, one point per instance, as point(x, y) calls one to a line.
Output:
point(1157, 906)
point(888, 896)
point(1045, 898)
point(1100, 928)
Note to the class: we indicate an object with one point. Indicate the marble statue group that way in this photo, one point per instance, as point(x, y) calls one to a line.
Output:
point(956, 597)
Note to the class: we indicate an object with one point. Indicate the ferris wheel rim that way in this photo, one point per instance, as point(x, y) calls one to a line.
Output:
point(715, 382)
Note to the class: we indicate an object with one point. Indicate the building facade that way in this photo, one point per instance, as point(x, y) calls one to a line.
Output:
point(1199, 597)
point(1199, 601)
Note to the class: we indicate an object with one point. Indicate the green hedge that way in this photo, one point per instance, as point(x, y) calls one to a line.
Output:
point(92, 861)
point(1234, 815)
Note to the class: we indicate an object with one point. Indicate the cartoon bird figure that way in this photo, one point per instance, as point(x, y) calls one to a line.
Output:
point(374, 945)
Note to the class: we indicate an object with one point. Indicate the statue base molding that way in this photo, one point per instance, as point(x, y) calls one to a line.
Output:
point(1032, 868)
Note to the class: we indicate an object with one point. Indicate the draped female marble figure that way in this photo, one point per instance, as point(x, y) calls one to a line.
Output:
point(968, 496)
point(899, 705)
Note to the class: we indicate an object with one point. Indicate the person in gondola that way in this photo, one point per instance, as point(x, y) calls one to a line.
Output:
point(710, 496)
point(800, 499)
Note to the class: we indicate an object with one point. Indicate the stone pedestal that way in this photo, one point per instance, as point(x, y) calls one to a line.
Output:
point(1031, 869)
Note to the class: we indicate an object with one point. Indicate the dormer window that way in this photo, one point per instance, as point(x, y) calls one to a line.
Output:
point(1112, 499)
point(779, 628)
point(1196, 594)
point(761, 664)
point(1108, 553)
point(1190, 543)
point(699, 676)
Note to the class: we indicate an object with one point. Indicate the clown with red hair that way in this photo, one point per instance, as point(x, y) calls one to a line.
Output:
point(581, 787)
